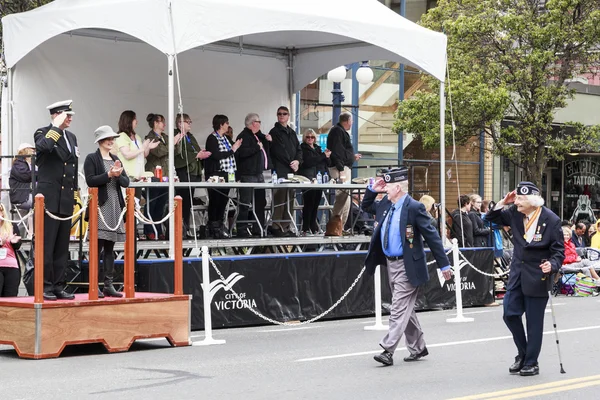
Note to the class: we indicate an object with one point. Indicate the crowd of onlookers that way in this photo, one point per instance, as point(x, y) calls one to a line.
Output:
point(253, 156)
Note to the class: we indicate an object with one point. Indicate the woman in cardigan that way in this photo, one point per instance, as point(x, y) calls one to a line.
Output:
point(10, 241)
point(220, 163)
point(314, 160)
point(104, 171)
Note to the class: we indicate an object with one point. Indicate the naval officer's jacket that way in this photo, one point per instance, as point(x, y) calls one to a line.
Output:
point(547, 243)
point(57, 168)
point(413, 216)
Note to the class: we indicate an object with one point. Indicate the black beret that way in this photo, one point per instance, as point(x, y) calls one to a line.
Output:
point(395, 175)
point(527, 188)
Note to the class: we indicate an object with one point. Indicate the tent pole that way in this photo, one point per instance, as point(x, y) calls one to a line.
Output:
point(442, 162)
point(170, 134)
point(291, 96)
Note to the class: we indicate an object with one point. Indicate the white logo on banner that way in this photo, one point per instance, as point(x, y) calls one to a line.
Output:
point(464, 285)
point(231, 302)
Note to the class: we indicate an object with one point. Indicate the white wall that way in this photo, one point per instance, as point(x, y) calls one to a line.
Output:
point(104, 78)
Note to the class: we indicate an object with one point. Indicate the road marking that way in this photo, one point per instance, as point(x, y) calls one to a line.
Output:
point(287, 329)
point(535, 390)
point(482, 340)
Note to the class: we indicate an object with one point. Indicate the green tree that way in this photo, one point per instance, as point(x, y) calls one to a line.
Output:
point(510, 60)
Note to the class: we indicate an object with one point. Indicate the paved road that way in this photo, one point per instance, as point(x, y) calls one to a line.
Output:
point(327, 360)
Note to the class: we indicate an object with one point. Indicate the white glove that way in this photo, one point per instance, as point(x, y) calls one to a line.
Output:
point(59, 119)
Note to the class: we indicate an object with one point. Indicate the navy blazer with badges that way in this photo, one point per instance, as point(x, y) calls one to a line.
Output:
point(57, 169)
point(413, 213)
point(525, 264)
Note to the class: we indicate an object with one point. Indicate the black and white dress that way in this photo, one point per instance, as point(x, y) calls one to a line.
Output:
point(111, 210)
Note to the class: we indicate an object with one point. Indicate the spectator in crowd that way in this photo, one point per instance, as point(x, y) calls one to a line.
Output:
point(485, 207)
point(573, 262)
point(359, 219)
point(252, 160)
point(188, 166)
point(481, 234)
point(157, 198)
point(229, 134)
point(595, 238)
point(342, 158)
point(314, 161)
point(578, 235)
point(286, 155)
point(129, 146)
point(429, 203)
point(105, 171)
point(220, 163)
point(589, 234)
point(10, 241)
point(462, 226)
point(20, 178)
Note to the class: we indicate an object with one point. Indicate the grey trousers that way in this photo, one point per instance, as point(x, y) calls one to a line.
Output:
point(341, 206)
point(403, 319)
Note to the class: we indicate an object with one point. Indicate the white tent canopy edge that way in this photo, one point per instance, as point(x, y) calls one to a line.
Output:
point(337, 30)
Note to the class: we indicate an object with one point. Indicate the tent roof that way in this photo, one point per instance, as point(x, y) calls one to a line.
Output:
point(336, 28)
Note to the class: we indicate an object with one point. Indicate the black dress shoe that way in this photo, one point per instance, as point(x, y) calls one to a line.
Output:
point(517, 365)
point(64, 295)
point(418, 356)
point(49, 296)
point(110, 291)
point(529, 370)
point(385, 358)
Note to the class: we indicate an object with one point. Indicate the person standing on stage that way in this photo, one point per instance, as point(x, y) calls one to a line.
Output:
point(104, 171)
point(538, 251)
point(57, 158)
point(401, 224)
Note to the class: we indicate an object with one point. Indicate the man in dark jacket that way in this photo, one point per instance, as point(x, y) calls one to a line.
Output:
point(57, 158)
point(188, 166)
point(462, 227)
point(286, 155)
point(252, 159)
point(538, 252)
point(401, 224)
point(342, 157)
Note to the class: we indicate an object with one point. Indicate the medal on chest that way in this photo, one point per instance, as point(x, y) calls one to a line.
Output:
point(410, 235)
point(538, 236)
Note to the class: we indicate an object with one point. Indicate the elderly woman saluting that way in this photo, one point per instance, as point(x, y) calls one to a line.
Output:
point(104, 171)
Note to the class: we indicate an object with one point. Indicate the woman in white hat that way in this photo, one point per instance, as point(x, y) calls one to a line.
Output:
point(104, 171)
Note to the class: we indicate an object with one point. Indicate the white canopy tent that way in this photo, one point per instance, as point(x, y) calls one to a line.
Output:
point(233, 57)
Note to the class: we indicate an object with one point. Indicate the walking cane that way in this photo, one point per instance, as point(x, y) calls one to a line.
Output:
point(562, 370)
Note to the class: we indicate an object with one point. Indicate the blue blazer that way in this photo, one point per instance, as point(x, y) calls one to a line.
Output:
point(525, 264)
point(414, 214)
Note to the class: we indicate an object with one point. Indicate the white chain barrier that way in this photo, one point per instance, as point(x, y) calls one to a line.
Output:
point(110, 228)
point(480, 271)
point(18, 221)
point(149, 221)
point(258, 314)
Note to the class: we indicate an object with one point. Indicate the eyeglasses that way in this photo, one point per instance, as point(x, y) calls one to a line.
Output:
point(188, 121)
point(282, 113)
point(311, 137)
point(258, 122)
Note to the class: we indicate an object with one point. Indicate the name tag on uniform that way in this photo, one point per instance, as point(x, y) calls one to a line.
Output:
point(3, 253)
point(537, 237)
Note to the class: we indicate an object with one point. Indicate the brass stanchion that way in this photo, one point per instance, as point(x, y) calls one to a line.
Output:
point(178, 256)
point(93, 241)
point(130, 245)
point(38, 274)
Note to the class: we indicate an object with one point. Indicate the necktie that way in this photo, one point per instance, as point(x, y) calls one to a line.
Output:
point(386, 235)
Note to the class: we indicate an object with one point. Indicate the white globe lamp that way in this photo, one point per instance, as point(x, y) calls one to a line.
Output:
point(364, 75)
point(337, 75)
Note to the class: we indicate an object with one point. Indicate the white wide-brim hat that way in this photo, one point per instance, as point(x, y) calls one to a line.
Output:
point(104, 132)
point(24, 146)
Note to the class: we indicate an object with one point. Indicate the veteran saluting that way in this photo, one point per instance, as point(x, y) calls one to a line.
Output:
point(538, 252)
point(401, 225)
point(56, 158)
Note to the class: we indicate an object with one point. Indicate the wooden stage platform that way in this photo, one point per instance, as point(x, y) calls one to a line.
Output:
point(43, 330)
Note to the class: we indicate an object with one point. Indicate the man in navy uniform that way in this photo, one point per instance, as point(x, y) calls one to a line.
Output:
point(401, 224)
point(56, 157)
point(538, 252)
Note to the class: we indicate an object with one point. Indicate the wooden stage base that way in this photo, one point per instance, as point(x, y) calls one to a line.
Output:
point(43, 330)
